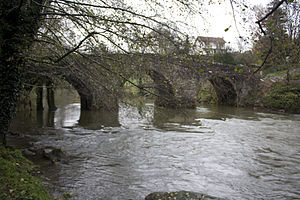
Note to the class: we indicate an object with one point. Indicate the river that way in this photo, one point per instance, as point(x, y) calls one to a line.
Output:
point(231, 153)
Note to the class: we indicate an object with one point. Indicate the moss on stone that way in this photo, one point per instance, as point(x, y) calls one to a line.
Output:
point(207, 94)
point(16, 179)
point(283, 96)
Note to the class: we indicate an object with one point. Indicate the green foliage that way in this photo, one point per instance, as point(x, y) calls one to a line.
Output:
point(282, 32)
point(130, 89)
point(276, 73)
point(16, 180)
point(247, 58)
point(165, 42)
point(226, 58)
point(207, 94)
point(295, 76)
point(283, 96)
point(227, 29)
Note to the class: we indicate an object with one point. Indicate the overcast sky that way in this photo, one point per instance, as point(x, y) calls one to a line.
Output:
point(213, 20)
point(215, 17)
point(221, 17)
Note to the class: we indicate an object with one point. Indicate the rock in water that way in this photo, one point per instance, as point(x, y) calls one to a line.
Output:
point(180, 195)
point(55, 155)
point(29, 153)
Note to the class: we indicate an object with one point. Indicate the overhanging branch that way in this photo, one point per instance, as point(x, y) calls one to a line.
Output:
point(265, 34)
point(75, 48)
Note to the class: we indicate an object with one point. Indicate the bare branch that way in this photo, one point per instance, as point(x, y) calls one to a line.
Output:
point(75, 48)
point(118, 74)
point(268, 14)
point(117, 9)
point(234, 18)
point(265, 34)
point(265, 59)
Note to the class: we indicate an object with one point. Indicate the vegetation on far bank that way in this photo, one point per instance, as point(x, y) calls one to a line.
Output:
point(16, 178)
point(283, 96)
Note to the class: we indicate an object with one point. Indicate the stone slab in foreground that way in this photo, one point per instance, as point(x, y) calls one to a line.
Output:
point(179, 195)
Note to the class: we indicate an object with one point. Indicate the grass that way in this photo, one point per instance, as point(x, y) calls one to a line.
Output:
point(283, 96)
point(16, 179)
point(276, 73)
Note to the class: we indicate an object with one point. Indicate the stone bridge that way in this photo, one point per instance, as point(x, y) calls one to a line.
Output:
point(177, 80)
point(99, 79)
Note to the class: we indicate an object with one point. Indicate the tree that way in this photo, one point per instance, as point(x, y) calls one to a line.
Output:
point(19, 22)
point(247, 58)
point(275, 29)
point(292, 25)
point(163, 41)
point(276, 43)
point(224, 57)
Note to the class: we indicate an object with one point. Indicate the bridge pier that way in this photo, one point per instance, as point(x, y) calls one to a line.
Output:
point(166, 96)
point(186, 92)
point(247, 90)
point(93, 96)
point(98, 100)
point(174, 92)
point(45, 87)
point(86, 101)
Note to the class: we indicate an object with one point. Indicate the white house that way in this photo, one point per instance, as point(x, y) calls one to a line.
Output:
point(208, 45)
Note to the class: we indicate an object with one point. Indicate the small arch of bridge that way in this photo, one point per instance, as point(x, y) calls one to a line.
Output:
point(181, 91)
point(224, 89)
point(178, 88)
point(92, 97)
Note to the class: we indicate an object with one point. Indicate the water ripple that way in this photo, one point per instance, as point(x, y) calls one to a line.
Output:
point(225, 152)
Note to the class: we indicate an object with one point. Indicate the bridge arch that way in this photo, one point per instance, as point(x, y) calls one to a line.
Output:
point(224, 89)
point(86, 98)
point(92, 95)
point(39, 94)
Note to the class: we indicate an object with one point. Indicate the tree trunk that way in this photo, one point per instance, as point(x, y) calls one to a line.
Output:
point(18, 26)
point(39, 98)
point(50, 96)
point(10, 85)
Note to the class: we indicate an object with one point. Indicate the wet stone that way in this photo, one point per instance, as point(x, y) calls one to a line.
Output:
point(55, 155)
point(179, 195)
point(28, 152)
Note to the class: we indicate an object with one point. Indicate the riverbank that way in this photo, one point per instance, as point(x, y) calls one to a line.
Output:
point(17, 180)
point(283, 97)
point(280, 92)
point(275, 92)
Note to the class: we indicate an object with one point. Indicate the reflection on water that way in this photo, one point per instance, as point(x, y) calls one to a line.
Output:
point(67, 116)
point(95, 120)
point(221, 151)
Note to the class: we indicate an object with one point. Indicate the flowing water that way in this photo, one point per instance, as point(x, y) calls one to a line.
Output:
point(231, 153)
